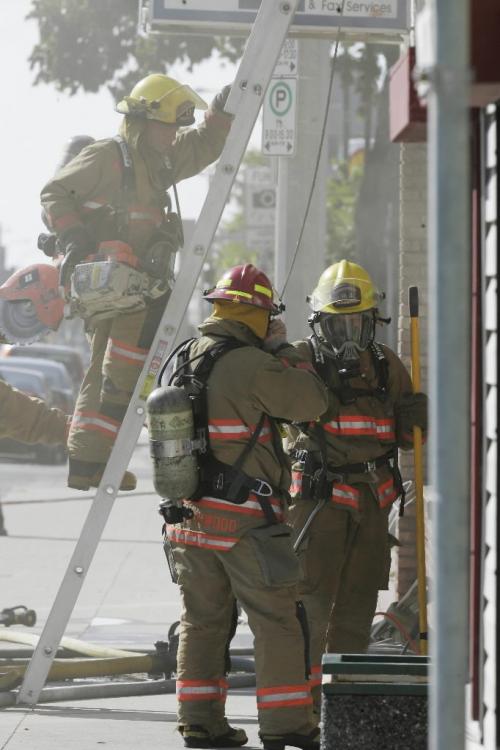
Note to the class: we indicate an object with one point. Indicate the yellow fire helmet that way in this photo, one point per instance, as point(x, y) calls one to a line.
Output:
point(344, 287)
point(158, 97)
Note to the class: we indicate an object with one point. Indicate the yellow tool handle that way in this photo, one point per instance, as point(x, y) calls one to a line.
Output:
point(419, 474)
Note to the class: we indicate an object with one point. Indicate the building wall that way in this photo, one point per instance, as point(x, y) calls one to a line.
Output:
point(412, 272)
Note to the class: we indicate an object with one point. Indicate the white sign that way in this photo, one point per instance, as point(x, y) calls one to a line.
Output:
point(278, 117)
point(260, 197)
point(288, 61)
point(260, 240)
point(353, 8)
point(312, 16)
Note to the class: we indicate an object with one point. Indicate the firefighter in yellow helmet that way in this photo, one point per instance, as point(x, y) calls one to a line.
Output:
point(234, 543)
point(345, 474)
point(115, 192)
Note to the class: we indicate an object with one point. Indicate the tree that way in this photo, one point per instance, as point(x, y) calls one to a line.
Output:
point(87, 44)
point(342, 195)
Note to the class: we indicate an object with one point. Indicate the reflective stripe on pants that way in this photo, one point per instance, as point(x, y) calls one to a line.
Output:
point(209, 582)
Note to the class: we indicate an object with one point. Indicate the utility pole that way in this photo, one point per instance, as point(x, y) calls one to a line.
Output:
point(294, 184)
point(449, 349)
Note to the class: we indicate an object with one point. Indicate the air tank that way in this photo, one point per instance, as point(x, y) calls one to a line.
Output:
point(171, 432)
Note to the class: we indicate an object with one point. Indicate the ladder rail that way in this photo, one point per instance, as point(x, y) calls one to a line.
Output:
point(254, 74)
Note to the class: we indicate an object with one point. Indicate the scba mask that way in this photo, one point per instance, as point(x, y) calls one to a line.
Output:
point(348, 334)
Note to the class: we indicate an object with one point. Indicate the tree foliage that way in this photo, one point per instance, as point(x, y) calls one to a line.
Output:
point(87, 44)
point(342, 196)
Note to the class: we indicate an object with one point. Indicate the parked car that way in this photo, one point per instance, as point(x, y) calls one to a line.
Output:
point(66, 355)
point(33, 384)
point(24, 379)
point(57, 376)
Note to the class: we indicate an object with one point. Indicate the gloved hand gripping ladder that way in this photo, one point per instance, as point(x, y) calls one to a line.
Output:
point(261, 54)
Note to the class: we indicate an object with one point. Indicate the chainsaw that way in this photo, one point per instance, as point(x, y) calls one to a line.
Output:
point(106, 283)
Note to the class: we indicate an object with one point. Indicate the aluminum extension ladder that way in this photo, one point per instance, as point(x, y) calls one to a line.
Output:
point(261, 54)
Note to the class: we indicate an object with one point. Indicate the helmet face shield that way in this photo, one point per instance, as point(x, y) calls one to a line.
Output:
point(349, 333)
point(158, 97)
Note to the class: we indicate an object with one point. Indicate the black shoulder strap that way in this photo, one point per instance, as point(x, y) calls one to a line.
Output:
point(318, 359)
point(346, 393)
point(381, 369)
point(128, 179)
point(194, 379)
point(206, 364)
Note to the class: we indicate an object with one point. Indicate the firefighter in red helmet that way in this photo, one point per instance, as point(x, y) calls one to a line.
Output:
point(235, 544)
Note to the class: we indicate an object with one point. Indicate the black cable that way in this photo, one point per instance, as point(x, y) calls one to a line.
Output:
point(167, 362)
point(320, 150)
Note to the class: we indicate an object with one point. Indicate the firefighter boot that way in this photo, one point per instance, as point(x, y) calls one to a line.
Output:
point(280, 741)
point(77, 482)
point(195, 735)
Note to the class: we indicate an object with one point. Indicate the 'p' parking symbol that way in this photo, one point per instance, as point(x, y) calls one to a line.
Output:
point(280, 98)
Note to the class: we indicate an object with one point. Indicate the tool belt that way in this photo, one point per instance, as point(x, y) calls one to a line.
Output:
point(224, 482)
point(318, 483)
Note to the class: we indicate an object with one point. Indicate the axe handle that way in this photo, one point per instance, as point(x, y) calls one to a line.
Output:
point(419, 474)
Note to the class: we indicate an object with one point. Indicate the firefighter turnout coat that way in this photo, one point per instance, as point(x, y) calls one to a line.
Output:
point(345, 557)
point(28, 419)
point(230, 551)
point(89, 191)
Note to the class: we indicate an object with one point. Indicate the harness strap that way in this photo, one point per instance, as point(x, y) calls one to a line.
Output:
point(128, 187)
point(345, 391)
point(220, 480)
point(217, 478)
point(128, 180)
point(367, 466)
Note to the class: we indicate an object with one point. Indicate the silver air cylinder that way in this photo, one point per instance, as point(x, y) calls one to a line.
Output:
point(171, 435)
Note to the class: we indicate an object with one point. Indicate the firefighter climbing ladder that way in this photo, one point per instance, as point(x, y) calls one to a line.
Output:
point(261, 54)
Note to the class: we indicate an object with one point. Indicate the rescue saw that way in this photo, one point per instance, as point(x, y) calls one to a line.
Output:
point(31, 304)
point(113, 280)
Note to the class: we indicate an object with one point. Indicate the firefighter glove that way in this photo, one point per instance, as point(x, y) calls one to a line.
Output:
point(77, 244)
point(219, 101)
point(410, 412)
point(276, 336)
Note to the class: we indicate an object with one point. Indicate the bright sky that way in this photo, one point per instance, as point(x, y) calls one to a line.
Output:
point(37, 121)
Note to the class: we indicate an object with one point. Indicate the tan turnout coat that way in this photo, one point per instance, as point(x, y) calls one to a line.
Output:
point(244, 383)
point(90, 186)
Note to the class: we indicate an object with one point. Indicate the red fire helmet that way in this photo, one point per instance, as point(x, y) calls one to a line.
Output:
point(246, 284)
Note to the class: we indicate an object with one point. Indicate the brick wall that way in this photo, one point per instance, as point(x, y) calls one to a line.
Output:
point(413, 272)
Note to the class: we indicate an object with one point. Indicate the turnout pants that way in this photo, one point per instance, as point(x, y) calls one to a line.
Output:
point(345, 561)
point(210, 581)
point(119, 347)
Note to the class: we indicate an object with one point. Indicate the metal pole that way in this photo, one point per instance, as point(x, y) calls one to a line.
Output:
point(449, 339)
point(294, 183)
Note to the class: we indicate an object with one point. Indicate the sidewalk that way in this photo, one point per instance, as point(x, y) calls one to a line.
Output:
point(127, 601)
point(124, 723)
